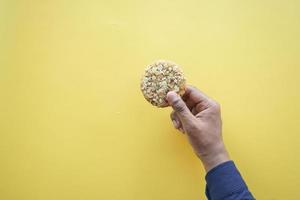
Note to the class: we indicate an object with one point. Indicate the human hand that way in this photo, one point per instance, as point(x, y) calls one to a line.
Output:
point(200, 118)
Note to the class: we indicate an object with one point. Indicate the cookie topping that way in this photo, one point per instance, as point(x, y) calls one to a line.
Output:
point(160, 78)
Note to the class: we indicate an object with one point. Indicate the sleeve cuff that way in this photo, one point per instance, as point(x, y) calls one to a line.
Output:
point(224, 180)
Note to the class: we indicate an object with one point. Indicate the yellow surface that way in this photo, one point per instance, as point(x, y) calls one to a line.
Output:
point(74, 125)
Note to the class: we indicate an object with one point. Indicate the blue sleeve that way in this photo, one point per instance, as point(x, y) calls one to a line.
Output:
point(224, 182)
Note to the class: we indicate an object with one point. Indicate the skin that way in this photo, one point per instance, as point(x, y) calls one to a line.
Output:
point(199, 117)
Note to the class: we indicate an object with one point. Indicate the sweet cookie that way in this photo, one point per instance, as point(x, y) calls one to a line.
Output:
point(160, 78)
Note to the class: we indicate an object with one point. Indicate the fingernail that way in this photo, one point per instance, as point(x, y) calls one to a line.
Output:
point(171, 96)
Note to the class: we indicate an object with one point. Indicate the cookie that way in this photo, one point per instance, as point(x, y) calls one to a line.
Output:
point(160, 78)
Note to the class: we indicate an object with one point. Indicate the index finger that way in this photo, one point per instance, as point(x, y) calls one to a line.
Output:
point(194, 96)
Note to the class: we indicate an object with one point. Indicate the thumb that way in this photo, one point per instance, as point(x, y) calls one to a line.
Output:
point(179, 107)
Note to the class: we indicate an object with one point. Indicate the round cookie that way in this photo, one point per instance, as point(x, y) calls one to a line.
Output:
point(160, 78)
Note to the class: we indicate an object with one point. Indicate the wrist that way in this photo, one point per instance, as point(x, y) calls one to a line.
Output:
point(215, 158)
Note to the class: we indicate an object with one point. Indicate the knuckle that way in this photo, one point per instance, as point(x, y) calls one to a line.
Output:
point(215, 105)
point(178, 106)
point(218, 106)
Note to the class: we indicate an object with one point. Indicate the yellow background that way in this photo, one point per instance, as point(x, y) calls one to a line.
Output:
point(74, 124)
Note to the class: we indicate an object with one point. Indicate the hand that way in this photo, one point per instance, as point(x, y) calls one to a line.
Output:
point(200, 118)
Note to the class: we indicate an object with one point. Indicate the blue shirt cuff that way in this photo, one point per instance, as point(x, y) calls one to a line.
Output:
point(225, 182)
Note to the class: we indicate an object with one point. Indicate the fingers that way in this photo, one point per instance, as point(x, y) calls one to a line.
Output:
point(194, 94)
point(194, 110)
point(176, 121)
point(195, 98)
point(179, 106)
